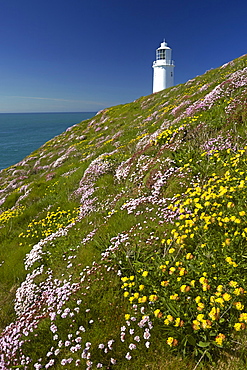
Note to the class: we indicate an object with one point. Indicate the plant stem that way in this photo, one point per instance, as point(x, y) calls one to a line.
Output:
point(200, 359)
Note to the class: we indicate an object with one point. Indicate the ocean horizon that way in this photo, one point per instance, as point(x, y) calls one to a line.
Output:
point(22, 133)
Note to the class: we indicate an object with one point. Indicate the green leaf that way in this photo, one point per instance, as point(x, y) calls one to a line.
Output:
point(213, 334)
point(171, 308)
point(191, 340)
point(208, 356)
point(203, 344)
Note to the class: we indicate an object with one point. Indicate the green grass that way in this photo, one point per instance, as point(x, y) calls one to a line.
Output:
point(132, 171)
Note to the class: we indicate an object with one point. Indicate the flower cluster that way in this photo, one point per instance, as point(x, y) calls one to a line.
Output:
point(52, 222)
point(7, 215)
point(181, 288)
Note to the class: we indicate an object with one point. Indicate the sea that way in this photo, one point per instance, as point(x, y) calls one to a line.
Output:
point(22, 133)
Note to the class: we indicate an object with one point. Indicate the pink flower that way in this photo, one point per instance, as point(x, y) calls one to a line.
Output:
point(132, 346)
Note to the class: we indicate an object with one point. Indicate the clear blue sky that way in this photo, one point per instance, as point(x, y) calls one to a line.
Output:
point(85, 55)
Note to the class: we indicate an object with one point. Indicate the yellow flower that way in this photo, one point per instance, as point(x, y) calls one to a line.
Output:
point(132, 277)
point(126, 316)
point(157, 313)
point(126, 294)
point(172, 341)
point(202, 280)
point(196, 325)
point(205, 287)
point(125, 278)
point(171, 250)
point(177, 321)
point(214, 313)
point(238, 326)
point(243, 317)
point(233, 284)
point(227, 297)
point(169, 318)
point(174, 297)
point(164, 283)
point(241, 184)
point(219, 288)
point(142, 299)
point(183, 288)
point(141, 287)
point(198, 299)
point(200, 306)
point(220, 301)
point(192, 283)
point(145, 273)
point(219, 339)
point(182, 271)
point(239, 306)
point(228, 241)
point(200, 316)
point(153, 298)
point(206, 324)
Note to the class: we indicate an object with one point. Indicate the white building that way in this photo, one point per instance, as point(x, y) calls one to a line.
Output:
point(163, 68)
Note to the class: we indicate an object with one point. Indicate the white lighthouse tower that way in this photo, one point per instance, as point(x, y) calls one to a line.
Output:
point(163, 68)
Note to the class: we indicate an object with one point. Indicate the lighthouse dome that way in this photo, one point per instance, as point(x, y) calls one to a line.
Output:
point(163, 52)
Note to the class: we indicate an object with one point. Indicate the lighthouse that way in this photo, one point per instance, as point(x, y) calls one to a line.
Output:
point(163, 68)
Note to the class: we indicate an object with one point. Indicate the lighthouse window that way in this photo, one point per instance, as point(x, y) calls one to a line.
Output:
point(161, 54)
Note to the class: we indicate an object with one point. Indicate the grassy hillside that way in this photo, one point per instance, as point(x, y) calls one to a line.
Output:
point(123, 241)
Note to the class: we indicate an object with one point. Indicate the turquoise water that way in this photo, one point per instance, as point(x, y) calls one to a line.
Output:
point(22, 133)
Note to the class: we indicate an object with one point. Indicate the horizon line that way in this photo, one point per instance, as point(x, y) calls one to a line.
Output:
point(93, 111)
point(55, 99)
